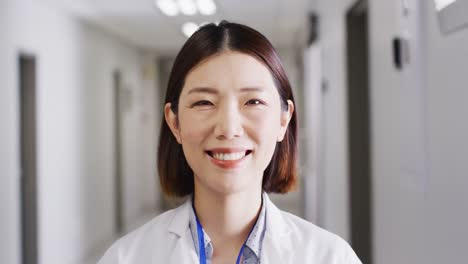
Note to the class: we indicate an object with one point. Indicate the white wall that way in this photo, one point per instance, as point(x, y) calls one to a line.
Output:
point(446, 199)
point(312, 132)
point(75, 62)
point(397, 180)
point(420, 150)
point(334, 212)
point(9, 243)
point(419, 146)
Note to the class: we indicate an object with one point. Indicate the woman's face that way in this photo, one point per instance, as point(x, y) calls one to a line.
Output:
point(229, 120)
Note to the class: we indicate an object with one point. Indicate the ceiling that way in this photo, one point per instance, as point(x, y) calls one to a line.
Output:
point(142, 24)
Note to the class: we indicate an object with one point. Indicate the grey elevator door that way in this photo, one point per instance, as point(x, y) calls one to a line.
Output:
point(118, 192)
point(359, 136)
point(28, 184)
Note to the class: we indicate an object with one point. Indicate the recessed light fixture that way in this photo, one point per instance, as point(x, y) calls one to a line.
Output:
point(168, 7)
point(441, 4)
point(189, 28)
point(206, 7)
point(187, 7)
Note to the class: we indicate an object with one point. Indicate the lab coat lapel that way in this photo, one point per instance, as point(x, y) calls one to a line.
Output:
point(184, 249)
point(184, 252)
point(276, 247)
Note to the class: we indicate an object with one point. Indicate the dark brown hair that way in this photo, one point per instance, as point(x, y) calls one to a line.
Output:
point(175, 175)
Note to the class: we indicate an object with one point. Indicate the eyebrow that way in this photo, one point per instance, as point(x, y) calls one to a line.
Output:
point(215, 91)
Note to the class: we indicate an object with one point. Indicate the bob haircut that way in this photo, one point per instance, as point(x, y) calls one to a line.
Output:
point(175, 175)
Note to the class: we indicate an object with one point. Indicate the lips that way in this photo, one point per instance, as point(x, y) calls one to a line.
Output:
point(228, 158)
point(228, 153)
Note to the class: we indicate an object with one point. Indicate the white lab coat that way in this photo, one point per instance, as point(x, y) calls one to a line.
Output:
point(288, 239)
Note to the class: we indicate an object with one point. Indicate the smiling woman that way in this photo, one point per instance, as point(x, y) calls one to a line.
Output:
point(240, 113)
point(229, 137)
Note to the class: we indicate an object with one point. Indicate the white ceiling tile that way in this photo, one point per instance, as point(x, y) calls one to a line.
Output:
point(142, 24)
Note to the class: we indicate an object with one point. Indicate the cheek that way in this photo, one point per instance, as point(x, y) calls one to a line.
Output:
point(192, 130)
point(265, 125)
point(263, 131)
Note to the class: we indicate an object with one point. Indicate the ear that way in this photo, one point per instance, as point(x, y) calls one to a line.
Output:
point(285, 118)
point(172, 121)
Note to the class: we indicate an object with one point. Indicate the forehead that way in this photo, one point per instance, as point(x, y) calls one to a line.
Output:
point(230, 70)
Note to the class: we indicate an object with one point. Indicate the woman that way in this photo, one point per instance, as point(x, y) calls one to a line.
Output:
point(228, 138)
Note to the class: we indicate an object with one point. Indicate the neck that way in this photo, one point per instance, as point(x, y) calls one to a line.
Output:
point(227, 218)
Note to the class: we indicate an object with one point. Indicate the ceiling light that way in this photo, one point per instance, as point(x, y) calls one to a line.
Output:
point(187, 7)
point(168, 7)
point(441, 4)
point(189, 28)
point(206, 7)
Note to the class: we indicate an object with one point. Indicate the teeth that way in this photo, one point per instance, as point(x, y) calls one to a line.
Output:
point(229, 156)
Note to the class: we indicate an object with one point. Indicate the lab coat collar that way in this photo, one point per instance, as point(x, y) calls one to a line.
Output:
point(184, 250)
point(274, 243)
point(276, 225)
point(180, 222)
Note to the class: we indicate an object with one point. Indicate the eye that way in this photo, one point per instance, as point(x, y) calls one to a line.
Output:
point(202, 103)
point(255, 102)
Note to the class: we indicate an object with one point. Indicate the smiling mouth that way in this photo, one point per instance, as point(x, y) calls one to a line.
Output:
point(229, 156)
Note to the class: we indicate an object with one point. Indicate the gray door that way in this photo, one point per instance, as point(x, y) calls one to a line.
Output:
point(359, 130)
point(118, 194)
point(28, 184)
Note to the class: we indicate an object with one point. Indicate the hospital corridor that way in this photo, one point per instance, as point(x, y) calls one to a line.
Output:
point(381, 97)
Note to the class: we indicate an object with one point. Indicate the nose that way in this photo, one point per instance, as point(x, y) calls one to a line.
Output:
point(228, 123)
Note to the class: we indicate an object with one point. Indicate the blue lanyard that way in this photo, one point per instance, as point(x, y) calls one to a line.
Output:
point(201, 244)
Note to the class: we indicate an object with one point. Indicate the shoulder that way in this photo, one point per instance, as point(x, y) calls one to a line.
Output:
point(305, 230)
point(301, 229)
point(325, 245)
point(154, 228)
point(153, 235)
point(311, 243)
